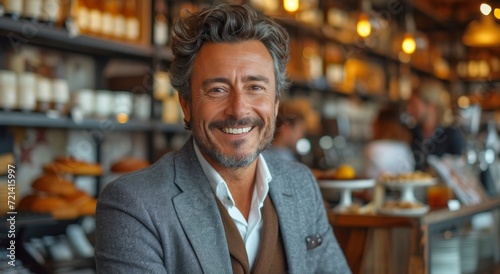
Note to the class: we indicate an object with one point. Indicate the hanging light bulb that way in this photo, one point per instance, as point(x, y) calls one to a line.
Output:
point(364, 28)
point(291, 5)
point(485, 8)
point(409, 46)
point(496, 13)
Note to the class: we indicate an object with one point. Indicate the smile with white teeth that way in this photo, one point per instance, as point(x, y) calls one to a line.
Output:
point(236, 130)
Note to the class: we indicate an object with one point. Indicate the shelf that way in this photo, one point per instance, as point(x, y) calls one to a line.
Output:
point(38, 120)
point(328, 33)
point(19, 32)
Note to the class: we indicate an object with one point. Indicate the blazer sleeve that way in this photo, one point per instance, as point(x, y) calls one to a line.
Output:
point(126, 241)
point(329, 257)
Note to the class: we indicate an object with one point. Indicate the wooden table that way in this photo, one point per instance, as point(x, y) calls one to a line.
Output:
point(352, 231)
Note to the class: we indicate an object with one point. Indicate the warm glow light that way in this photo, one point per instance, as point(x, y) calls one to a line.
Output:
point(484, 32)
point(364, 28)
point(463, 101)
point(473, 69)
point(496, 12)
point(121, 118)
point(291, 5)
point(485, 9)
point(409, 44)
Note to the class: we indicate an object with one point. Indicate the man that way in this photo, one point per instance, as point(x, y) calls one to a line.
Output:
point(218, 205)
point(433, 133)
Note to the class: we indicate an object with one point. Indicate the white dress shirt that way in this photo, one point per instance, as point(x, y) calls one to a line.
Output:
point(251, 231)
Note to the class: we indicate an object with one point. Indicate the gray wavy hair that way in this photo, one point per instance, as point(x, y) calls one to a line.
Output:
point(225, 24)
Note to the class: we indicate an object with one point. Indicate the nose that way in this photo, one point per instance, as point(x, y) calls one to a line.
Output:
point(239, 104)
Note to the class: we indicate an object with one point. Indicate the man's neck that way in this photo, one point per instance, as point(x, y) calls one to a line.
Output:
point(241, 182)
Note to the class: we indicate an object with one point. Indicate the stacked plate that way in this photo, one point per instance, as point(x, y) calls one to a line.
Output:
point(469, 249)
point(445, 255)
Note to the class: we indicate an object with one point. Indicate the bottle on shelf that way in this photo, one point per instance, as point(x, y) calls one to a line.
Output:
point(32, 9)
point(160, 35)
point(132, 22)
point(80, 16)
point(107, 8)
point(26, 91)
point(2, 8)
point(95, 17)
point(43, 95)
point(119, 26)
point(8, 83)
point(13, 8)
point(51, 12)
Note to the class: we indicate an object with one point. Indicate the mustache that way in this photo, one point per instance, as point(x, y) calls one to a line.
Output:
point(233, 122)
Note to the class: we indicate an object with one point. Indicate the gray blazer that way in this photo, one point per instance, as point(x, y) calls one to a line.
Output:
point(164, 219)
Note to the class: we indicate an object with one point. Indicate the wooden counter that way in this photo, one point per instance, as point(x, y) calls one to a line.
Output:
point(352, 231)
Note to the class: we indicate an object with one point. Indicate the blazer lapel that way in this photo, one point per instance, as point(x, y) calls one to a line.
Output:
point(198, 213)
point(290, 223)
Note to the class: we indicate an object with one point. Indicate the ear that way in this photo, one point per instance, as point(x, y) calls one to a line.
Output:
point(185, 105)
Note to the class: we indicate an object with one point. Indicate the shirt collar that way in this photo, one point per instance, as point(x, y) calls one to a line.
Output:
point(219, 186)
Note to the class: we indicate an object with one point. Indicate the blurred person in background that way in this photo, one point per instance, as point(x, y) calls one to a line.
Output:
point(389, 151)
point(290, 128)
point(431, 123)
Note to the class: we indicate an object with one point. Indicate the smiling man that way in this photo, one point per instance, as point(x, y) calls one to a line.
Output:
point(220, 205)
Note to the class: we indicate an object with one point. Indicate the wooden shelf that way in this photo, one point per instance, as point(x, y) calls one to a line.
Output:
point(19, 32)
point(38, 120)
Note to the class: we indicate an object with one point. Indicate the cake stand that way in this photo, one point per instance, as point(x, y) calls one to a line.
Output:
point(346, 187)
point(408, 195)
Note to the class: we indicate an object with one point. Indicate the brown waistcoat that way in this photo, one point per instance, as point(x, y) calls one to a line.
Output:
point(271, 256)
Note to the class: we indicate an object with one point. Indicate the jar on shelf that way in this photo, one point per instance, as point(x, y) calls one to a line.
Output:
point(142, 106)
point(8, 85)
point(32, 9)
point(60, 92)
point(50, 11)
point(83, 103)
point(122, 105)
point(26, 91)
point(13, 8)
point(43, 94)
point(103, 101)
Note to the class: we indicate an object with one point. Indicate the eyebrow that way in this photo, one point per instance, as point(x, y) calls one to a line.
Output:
point(249, 78)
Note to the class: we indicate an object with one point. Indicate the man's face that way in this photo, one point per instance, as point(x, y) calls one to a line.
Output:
point(233, 107)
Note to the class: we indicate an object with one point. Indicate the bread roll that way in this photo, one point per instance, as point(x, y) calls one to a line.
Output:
point(54, 184)
point(128, 164)
point(69, 165)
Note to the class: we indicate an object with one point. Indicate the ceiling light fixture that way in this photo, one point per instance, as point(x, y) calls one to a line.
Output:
point(484, 32)
point(409, 45)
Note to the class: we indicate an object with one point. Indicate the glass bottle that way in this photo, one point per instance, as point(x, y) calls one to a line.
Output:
point(132, 23)
point(160, 36)
point(80, 15)
point(95, 17)
point(119, 26)
point(107, 7)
